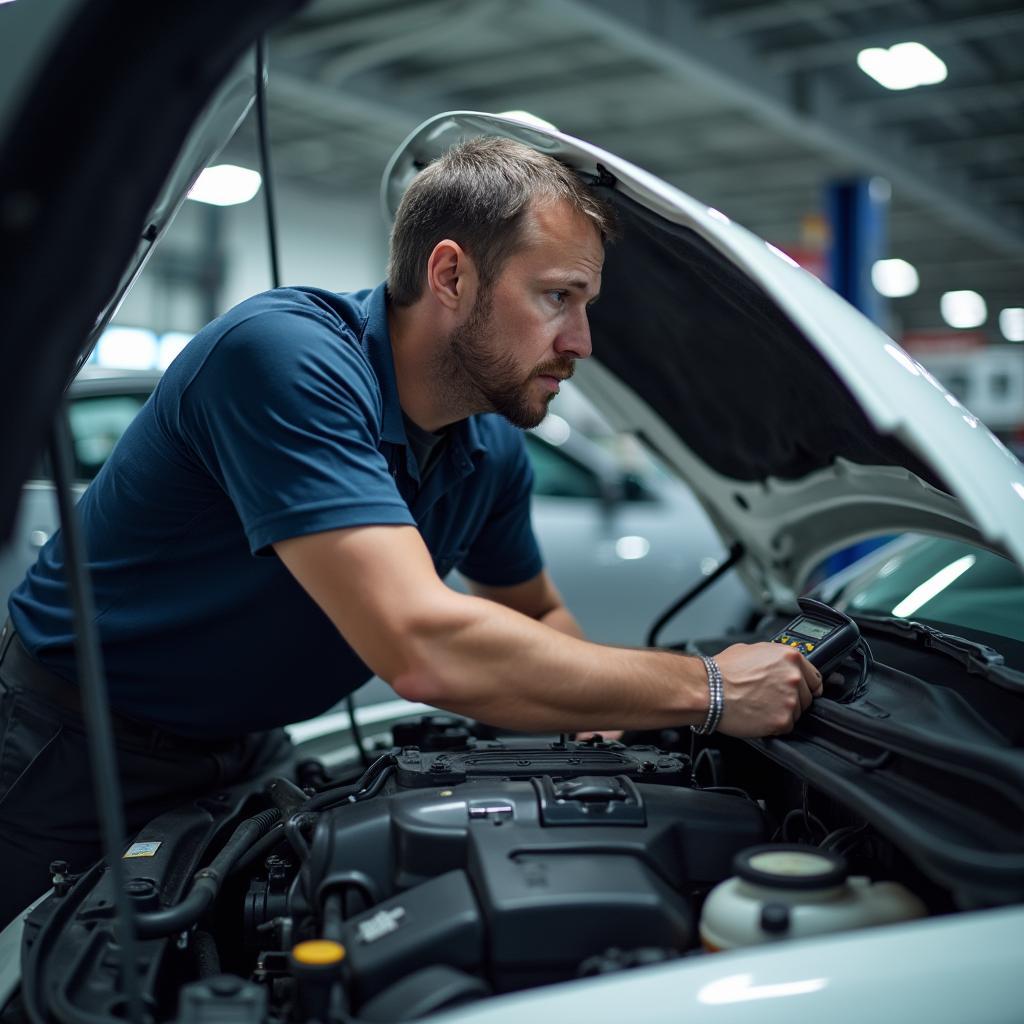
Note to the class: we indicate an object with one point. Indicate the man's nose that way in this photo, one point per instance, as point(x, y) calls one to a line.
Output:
point(575, 339)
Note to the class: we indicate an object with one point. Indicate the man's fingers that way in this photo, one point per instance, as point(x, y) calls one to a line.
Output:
point(812, 677)
point(805, 695)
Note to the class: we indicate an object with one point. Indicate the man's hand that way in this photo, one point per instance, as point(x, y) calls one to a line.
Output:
point(766, 687)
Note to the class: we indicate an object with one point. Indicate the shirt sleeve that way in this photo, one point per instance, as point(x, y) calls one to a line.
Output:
point(285, 413)
point(505, 550)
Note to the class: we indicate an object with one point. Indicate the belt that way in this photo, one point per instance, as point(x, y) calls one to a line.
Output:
point(20, 669)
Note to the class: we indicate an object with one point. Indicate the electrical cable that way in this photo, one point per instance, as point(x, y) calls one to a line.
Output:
point(736, 552)
point(356, 734)
point(868, 660)
point(706, 754)
point(839, 836)
point(264, 144)
point(96, 712)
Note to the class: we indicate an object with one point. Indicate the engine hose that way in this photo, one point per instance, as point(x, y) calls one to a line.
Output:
point(334, 917)
point(261, 848)
point(336, 794)
point(293, 832)
point(339, 794)
point(207, 881)
point(206, 953)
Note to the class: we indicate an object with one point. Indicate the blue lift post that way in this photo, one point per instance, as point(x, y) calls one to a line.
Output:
point(857, 213)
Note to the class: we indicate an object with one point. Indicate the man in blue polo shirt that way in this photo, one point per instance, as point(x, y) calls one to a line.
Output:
point(275, 525)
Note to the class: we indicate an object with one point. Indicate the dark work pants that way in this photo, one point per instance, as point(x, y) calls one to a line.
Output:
point(47, 805)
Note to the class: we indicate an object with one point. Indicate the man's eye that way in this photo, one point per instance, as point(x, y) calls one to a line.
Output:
point(558, 297)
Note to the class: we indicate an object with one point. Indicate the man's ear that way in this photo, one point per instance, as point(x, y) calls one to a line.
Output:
point(451, 276)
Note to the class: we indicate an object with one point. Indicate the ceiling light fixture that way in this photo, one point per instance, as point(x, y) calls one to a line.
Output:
point(225, 185)
point(963, 309)
point(894, 279)
point(1011, 323)
point(902, 66)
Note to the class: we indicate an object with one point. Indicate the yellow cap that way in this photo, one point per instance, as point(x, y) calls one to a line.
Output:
point(317, 952)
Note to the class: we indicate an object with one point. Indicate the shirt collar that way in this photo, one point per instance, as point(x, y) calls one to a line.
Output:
point(377, 341)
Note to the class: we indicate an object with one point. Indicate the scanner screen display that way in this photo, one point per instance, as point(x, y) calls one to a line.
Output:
point(808, 627)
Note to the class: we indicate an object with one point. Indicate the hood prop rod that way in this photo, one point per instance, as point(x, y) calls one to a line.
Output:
point(95, 711)
point(736, 552)
point(264, 141)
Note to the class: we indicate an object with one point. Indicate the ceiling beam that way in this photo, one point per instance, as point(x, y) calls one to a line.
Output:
point(346, 30)
point(672, 38)
point(754, 17)
point(842, 51)
point(939, 100)
point(346, 103)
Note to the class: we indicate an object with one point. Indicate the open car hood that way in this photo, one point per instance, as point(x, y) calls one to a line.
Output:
point(801, 425)
point(73, 241)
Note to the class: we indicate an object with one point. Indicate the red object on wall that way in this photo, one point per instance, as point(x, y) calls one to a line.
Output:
point(943, 340)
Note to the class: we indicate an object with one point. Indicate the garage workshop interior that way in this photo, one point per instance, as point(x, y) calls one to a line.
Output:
point(358, 665)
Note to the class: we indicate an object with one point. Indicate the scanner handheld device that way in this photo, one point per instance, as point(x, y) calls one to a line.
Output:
point(821, 634)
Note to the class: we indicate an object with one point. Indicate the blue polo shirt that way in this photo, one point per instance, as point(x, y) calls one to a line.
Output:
point(279, 419)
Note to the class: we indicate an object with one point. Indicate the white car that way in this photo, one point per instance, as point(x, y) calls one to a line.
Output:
point(870, 864)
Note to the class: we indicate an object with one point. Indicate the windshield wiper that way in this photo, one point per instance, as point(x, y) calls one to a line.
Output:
point(977, 658)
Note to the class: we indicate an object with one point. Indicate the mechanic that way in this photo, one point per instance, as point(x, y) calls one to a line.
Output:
point(275, 525)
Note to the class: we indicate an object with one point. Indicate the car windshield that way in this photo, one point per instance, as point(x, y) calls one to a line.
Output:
point(949, 584)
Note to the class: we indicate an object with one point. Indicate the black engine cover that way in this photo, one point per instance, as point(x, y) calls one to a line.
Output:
point(543, 872)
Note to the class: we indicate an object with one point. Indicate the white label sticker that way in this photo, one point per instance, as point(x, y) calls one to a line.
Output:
point(384, 922)
point(142, 850)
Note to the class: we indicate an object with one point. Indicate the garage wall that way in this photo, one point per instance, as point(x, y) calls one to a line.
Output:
point(331, 241)
point(327, 241)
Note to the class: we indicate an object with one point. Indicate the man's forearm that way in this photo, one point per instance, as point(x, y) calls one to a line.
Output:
point(480, 658)
point(562, 619)
point(494, 664)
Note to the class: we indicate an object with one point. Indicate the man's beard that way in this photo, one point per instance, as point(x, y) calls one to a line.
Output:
point(479, 373)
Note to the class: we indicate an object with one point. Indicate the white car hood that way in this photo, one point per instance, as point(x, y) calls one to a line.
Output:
point(801, 425)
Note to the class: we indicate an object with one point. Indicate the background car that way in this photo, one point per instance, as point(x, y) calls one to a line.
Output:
point(101, 404)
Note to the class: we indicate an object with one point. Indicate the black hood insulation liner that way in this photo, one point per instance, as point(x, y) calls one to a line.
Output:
point(720, 363)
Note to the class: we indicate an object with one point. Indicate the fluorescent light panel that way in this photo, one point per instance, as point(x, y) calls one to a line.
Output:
point(894, 279)
point(225, 185)
point(1011, 323)
point(902, 66)
point(963, 309)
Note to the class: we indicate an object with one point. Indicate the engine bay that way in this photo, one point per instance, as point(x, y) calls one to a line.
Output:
point(461, 865)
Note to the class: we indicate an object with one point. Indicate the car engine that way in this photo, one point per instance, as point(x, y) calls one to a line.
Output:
point(511, 861)
point(457, 866)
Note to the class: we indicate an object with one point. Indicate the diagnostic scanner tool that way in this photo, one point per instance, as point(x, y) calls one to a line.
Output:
point(821, 634)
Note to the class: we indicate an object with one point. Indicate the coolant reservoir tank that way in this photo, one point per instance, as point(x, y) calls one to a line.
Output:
point(793, 891)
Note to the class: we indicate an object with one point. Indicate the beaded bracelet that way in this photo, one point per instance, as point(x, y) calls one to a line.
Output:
point(715, 697)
